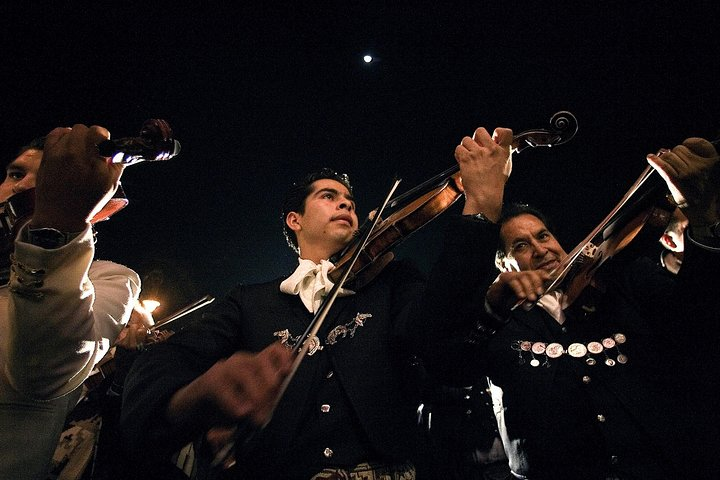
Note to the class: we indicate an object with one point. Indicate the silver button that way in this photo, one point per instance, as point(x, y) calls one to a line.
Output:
point(329, 374)
point(325, 408)
point(586, 379)
point(328, 453)
point(601, 418)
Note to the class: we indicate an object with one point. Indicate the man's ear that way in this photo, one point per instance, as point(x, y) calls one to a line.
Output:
point(292, 220)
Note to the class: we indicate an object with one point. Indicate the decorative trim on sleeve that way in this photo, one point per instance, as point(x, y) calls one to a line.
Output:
point(24, 280)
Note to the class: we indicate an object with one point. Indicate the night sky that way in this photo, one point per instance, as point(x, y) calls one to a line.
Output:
point(259, 93)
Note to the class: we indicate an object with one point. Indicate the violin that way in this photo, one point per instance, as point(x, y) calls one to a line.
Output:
point(155, 143)
point(422, 204)
point(363, 259)
point(648, 201)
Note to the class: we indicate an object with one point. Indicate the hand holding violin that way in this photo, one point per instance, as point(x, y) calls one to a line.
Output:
point(692, 174)
point(137, 331)
point(74, 182)
point(512, 288)
point(484, 162)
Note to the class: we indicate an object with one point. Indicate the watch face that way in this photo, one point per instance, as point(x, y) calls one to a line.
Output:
point(47, 238)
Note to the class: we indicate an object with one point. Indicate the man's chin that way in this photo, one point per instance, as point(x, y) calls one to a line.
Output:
point(344, 239)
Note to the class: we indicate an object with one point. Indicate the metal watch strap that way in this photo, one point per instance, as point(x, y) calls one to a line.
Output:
point(478, 217)
point(50, 238)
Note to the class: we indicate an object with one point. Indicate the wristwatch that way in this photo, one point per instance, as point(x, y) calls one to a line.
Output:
point(706, 231)
point(478, 217)
point(50, 238)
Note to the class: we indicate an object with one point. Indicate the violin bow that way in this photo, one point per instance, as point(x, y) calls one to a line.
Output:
point(310, 335)
point(593, 248)
point(606, 227)
point(206, 300)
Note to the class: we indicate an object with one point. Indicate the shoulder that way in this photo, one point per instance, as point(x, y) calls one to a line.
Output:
point(242, 291)
point(639, 274)
point(257, 287)
point(394, 274)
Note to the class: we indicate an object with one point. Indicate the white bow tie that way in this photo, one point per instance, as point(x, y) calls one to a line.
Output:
point(310, 281)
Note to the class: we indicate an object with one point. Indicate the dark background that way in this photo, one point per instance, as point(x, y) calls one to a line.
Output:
point(259, 93)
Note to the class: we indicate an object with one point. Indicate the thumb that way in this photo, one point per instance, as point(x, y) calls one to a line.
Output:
point(678, 197)
point(701, 147)
point(503, 136)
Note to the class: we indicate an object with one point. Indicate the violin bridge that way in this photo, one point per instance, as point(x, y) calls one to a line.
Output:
point(589, 250)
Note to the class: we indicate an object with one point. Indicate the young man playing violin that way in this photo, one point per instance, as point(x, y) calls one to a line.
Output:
point(348, 411)
point(60, 311)
point(598, 389)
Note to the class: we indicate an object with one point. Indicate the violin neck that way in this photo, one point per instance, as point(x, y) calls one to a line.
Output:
point(207, 299)
point(427, 185)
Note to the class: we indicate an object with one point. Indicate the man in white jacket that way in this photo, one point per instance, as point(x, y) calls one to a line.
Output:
point(60, 311)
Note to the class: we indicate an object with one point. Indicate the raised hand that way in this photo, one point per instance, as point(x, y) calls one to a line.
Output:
point(74, 181)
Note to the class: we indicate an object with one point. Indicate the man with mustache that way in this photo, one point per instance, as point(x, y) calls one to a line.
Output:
point(599, 389)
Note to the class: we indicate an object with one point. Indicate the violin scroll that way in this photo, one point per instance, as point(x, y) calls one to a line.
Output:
point(155, 143)
point(564, 127)
point(425, 202)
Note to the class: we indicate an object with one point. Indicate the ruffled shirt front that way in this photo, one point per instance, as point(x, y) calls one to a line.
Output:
point(311, 283)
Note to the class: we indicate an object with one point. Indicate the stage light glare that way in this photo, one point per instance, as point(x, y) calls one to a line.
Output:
point(150, 305)
point(367, 58)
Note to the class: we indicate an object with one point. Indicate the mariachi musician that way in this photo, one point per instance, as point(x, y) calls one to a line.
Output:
point(60, 311)
point(613, 383)
point(348, 411)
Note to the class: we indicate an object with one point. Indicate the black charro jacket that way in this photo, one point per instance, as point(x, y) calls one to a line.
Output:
point(407, 317)
point(587, 417)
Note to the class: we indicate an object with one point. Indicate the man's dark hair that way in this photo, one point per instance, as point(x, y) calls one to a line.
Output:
point(297, 194)
point(510, 211)
point(37, 143)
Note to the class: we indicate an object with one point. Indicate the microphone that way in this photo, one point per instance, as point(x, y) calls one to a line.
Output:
point(154, 143)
